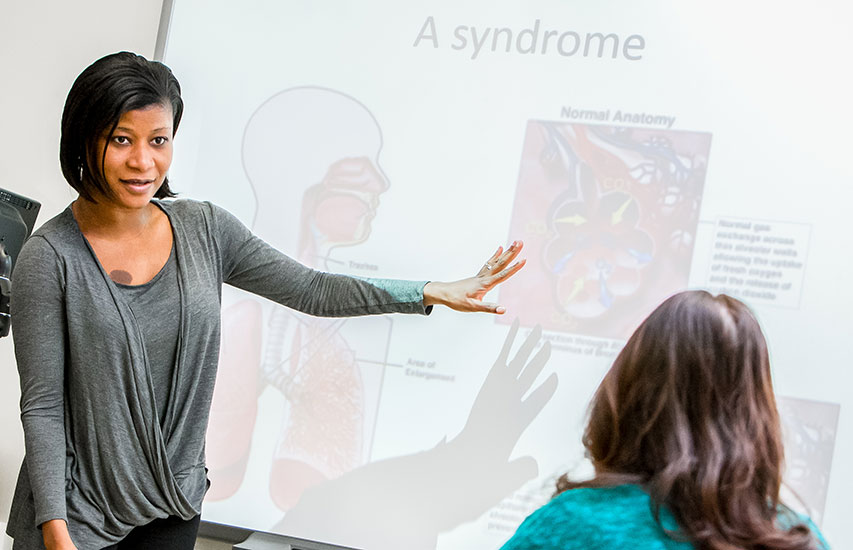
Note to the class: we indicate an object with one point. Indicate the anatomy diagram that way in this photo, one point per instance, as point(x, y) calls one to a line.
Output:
point(311, 157)
point(611, 213)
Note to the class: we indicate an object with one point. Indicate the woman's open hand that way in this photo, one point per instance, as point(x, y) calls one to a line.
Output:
point(467, 294)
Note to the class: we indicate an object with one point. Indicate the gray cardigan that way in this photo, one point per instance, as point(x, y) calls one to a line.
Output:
point(95, 451)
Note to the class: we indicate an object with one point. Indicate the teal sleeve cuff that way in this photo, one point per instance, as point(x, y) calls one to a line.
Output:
point(402, 291)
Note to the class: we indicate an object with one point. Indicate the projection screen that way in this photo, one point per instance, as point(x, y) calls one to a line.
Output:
point(637, 149)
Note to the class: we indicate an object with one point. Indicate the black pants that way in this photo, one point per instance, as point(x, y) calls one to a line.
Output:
point(172, 533)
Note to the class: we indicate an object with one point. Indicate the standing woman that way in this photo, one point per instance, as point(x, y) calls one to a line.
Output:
point(686, 443)
point(117, 322)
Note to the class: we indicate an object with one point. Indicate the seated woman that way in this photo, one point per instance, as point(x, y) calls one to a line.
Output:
point(685, 439)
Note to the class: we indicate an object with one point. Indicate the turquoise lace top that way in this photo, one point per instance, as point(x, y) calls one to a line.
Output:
point(602, 519)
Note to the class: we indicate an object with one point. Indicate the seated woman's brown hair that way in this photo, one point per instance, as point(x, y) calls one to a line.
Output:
point(688, 412)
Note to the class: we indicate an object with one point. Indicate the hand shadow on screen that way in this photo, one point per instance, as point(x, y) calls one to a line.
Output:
point(407, 501)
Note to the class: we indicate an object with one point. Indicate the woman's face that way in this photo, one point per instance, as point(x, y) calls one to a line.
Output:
point(138, 155)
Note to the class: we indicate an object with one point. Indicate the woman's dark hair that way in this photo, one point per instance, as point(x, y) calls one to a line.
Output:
point(687, 410)
point(104, 91)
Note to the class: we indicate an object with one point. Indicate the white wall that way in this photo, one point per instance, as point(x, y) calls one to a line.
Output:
point(43, 46)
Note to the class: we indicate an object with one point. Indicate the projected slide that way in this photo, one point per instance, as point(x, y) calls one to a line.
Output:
point(636, 150)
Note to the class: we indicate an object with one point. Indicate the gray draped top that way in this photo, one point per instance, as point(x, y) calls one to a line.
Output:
point(156, 306)
point(97, 454)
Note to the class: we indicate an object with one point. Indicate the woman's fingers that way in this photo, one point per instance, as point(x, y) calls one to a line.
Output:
point(504, 274)
point(500, 259)
point(477, 306)
point(507, 257)
point(491, 262)
point(487, 283)
point(467, 294)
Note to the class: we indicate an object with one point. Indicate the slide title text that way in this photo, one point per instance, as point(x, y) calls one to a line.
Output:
point(533, 40)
